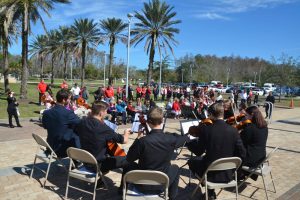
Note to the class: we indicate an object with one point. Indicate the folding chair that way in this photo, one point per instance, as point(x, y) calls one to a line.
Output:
point(41, 155)
point(262, 170)
point(82, 173)
point(145, 177)
point(221, 164)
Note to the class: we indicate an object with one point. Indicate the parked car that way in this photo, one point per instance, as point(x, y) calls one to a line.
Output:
point(258, 91)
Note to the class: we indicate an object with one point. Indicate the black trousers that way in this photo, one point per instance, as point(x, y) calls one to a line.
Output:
point(10, 115)
point(40, 98)
point(114, 162)
point(172, 174)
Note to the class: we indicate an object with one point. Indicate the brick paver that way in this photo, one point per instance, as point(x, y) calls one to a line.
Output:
point(17, 150)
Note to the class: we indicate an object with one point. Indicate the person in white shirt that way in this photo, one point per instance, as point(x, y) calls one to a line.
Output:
point(219, 97)
point(243, 96)
point(75, 91)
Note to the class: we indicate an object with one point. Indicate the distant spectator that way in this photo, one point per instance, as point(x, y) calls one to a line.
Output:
point(138, 92)
point(64, 85)
point(49, 90)
point(270, 98)
point(42, 87)
point(146, 107)
point(75, 90)
point(176, 108)
point(155, 92)
point(109, 93)
point(99, 93)
point(12, 109)
point(85, 94)
point(119, 93)
point(121, 110)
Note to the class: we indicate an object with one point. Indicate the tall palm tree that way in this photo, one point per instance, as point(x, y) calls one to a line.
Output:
point(112, 29)
point(29, 10)
point(64, 45)
point(8, 33)
point(84, 33)
point(156, 27)
point(38, 48)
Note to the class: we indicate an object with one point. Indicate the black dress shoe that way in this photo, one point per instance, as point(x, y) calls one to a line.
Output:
point(12, 126)
point(20, 126)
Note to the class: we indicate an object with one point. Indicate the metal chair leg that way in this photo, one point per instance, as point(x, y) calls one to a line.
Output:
point(265, 186)
point(48, 169)
point(31, 173)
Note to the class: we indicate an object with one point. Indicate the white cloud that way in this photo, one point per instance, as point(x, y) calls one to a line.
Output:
point(221, 9)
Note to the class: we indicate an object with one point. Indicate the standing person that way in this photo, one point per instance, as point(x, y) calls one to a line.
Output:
point(163, 93)
point(243, 96)
point(75, 91)
point(154, 152)
point(148, 93)
point(218, 140)
point(60, 123)
point(49, 90)
point(94, 135)
point(138, 92)
point(130, 93)
point(109, 94)
point(64, 85)
point(12, 107)
point(85, 94)
point(119, 93)
point(155, 92)
point(42, 87)
point(270, 98)
point(236, 97)
point(254, 136)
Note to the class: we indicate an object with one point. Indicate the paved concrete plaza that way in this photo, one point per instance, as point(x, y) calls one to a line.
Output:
point(17, 149)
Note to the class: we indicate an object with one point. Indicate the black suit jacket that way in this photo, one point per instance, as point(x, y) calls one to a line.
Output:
point(219, 140)
point(254, 140)
point(60, 123)
point(155, 150)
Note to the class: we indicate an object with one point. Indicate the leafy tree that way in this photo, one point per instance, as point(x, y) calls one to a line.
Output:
point(84, 33)
point(112, 31)
point(155, 26)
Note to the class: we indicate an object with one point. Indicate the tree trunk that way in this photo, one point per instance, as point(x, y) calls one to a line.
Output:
point(23, 89)
point(52, 70)
point(83, 62)
point(111, 60)
point(151, 59)
point(42, 68)
point(5, 62)
point(65, 63)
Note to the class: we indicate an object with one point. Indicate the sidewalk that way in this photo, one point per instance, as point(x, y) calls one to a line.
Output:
point(17, 150)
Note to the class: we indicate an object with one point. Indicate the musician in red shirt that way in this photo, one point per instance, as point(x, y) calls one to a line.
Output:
point(42, 87)
point(64, 85)
point(138, 92)
point(176, 108)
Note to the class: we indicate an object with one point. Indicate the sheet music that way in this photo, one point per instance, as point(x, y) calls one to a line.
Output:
point(185, 125)
point(111, 125)
point(136, 123)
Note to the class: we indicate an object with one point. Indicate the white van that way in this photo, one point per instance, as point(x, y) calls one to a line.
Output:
point(269, 87)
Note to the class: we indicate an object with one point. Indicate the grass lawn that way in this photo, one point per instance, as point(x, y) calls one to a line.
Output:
point(29, 107)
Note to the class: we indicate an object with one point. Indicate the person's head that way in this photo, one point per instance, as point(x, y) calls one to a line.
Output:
point(155, 116)
point(242, 108)
point(63, 96)
point(270, 93)
point(216, 111)
point(75, 84)
point(42, 81)
point(227, 104)
point(254, 114)
point(99, 108)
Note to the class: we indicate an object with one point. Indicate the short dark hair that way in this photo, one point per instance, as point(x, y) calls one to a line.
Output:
point(98, 106)
point(62, 95)
point(216, 110)
point(155, 116)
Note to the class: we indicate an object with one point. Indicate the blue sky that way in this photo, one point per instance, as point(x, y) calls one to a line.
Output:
point(246, 28)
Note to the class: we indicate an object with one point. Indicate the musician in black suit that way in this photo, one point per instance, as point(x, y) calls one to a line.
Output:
point(155, 150)
point(254, 136)
point(218, 140)
point(12, 106)
point(95, 134)
point(270, 98)
point(60, 123)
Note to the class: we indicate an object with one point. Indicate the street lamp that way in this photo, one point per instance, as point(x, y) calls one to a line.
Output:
point(160, 66)
point(228, 71)
point(129, 16)
point(104, 68)
point(72, 62)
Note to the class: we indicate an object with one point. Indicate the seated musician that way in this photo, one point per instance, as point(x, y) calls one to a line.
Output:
point(218, 140)
point(60, 123)
point(131, 110)
point(155, 150)
point(254, 136)
point(94, 135)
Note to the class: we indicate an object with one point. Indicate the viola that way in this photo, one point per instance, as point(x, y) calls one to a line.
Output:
point(114, 149)
point(243, 124)
point(195, 130)
point(234, 119)
point(81, 102)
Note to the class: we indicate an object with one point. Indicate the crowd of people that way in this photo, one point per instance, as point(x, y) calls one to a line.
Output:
point(153, 151)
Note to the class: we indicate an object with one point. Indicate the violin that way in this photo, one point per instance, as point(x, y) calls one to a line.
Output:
point(195, 130)
point(81, 102)
point(44, 100)
point(234, 119)
point(243, 124)
point(114, 149)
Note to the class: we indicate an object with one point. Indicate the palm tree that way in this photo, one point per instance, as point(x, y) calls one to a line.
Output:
point(7, 35)
point(156, 27)
point(52, 49)
point(38, 48)
point(64, 45)
point(84, 33)
point(112, 29)
point(29, 10)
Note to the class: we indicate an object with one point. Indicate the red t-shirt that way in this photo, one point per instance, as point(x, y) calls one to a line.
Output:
point(139, 90)
point(64, 86)
point(109, 93)
point(42, 87)
point(176, 106)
